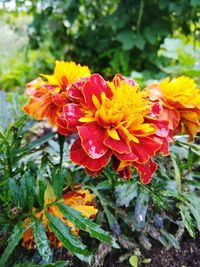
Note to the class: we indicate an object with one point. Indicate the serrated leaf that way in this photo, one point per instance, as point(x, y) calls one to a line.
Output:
point(41, 182)
point(187, 220)
point(70, 241)
point(170, 238)
point(58, 179)
point(27, 184)
point(31, 264)
point(125, 192)
point(16, 192)
point(14, 239)
point(33, 144)
point(141, 208)
point(57, 264)
point(177, 173)
point(105, 185)
point(41, 240)
point(85, 224)
point(194, 207)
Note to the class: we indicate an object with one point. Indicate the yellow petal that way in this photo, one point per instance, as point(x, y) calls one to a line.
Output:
point(86, 119)
point(96, 102)
point(113, 133)
point(133, 138)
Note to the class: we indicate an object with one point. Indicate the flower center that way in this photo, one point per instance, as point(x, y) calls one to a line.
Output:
point(123, 114)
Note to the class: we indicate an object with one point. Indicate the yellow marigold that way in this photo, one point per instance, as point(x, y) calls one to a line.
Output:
point(79, 199)
point(47, 98)
point(180, 98)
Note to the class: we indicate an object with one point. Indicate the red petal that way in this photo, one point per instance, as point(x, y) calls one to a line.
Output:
point(95, 86)
point(59, 99)
point(146, 170)
point(64, 82)
point(162, 127)
point(125, 172)
point(126, 157)
point(63, 131)
point(119, 77)
point(118, 145)
point(172, 116)
point(92, 139)
point(146, 148)
point(155, 110)
point(72, 114)
point(78, 156)
point(75, 90)
point(93, 173)
point(164, 149)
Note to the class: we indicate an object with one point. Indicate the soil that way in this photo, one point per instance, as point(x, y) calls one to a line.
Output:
point(187, 256)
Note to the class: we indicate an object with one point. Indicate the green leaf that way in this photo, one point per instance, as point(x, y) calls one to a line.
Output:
point(134, 261)
point(41, 182)
point(170, 238)
point(187, 220)
point(105, 185)
point(141, 208)
point(177, 174)
point(41, 240)
point(127, 38)
point(14, 239)
point(27, 184)
point(34, 144)
point(193, 183)
point(105, 204)
point(31, 264)
point(150, 34)
point(139, 41)
point(146, 261)
point(70, 241)
point(56, 264)
point(85, 224)
point(16, 193)
point(125, 192)
point(194, 206)
point(58, 179)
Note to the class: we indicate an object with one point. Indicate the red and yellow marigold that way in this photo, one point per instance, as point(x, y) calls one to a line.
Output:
point(114, 120)
point(180, 99)
point(47, 98)
point(79, 199)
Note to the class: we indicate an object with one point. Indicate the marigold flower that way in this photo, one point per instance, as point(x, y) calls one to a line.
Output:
point(79, 199)
point(181, 103)
point(47, 98)
point(113, 119)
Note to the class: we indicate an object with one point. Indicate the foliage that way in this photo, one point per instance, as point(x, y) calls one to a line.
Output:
point(183, 57)
point(83, 26)
point(25, 172)
point(149, 40)
point(128, 207)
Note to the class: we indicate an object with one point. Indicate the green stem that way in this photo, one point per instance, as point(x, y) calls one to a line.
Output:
point(61, 140)
point(140, 15)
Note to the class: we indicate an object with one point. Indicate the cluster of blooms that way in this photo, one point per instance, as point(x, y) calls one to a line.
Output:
point(115, 120)
point(79, 199)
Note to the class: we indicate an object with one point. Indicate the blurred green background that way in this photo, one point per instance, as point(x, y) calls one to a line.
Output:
point(142, 39)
